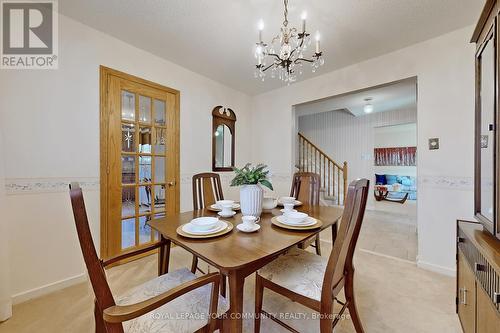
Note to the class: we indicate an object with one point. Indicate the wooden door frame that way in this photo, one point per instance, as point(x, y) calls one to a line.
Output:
point(105, 75)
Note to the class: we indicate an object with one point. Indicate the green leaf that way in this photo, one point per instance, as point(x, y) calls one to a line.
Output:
point(267, 184)
point(249, 175)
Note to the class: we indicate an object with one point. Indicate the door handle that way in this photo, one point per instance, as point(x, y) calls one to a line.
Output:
point(171, 183)
point(463, 291)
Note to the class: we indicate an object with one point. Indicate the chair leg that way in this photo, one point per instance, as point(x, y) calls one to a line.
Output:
point(194, 264)
point(99, 321)
point(318, 245)
point(259, 296)
point(351, 303)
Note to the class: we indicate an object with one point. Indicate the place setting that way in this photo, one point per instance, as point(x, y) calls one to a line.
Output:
point(292, 219)
point(205, 227)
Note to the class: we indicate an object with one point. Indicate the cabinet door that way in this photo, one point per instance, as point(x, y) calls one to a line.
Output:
point(466, 295)
point(488, 318)
point(486, 131)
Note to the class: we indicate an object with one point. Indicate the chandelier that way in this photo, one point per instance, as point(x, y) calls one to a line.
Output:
point(284, 56)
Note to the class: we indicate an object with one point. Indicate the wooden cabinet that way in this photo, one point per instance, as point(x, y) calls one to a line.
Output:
point(478, 279)
point(488, 318)
point(466, 295)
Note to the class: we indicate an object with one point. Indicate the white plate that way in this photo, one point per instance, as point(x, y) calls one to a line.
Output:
point(216, 206)
point(191, 229)
point(308, 222)
point(284, 211)
point(230, 215)
point(241, 227)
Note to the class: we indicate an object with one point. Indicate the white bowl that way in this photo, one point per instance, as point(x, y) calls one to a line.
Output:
point(205, 223)
point(221, 203)
point(287, 200)
point(296, 217)
point(269, 203)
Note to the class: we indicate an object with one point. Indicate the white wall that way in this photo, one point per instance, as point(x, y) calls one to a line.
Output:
point(50, 122)
point(345, 137)
point(444, 67)
point(5, 299)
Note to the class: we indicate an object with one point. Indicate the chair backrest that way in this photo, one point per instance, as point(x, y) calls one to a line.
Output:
point(305, 187)
point(103, 295)
point(207, 190)
point(340, 261)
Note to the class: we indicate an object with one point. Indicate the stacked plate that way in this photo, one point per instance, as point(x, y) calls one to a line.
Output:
point(296, 219)
point(204, 226)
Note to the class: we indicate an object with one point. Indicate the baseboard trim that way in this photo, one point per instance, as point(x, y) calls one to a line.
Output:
point(5, 309)
point(436, 268)
point(387, 256)
point(420, 264)
point(48, 288)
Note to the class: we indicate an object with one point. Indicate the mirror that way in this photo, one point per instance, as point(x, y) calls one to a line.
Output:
point(223, 140)
point(223, 128)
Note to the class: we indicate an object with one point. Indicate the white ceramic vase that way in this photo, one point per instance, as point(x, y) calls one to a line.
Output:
point(251, 200)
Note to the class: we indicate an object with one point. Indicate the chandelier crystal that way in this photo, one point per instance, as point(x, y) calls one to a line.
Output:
point(284, 56)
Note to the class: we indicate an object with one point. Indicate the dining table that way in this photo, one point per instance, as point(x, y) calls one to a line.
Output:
point(238, 254)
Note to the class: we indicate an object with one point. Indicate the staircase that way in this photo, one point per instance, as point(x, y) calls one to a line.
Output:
point(333, 175)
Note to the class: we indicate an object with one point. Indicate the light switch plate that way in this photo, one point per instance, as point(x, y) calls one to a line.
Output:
point(433, 143)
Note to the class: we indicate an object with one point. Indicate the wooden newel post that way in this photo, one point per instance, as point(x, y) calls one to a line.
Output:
point(345, 180)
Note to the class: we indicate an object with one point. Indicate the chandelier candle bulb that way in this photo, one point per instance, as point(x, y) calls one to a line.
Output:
point(261, 28)
point(317, 42)
point(304, 17)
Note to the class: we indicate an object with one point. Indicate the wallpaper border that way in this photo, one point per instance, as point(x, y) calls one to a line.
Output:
point(14, 186)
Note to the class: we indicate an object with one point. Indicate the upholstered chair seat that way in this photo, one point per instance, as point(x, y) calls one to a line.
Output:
point(187, 313)
point(299, 271)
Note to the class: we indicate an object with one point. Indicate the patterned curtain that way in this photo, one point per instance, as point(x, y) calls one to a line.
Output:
point(398, 156)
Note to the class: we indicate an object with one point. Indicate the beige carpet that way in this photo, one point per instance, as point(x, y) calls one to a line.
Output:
point(390, 233)
point(393, 296)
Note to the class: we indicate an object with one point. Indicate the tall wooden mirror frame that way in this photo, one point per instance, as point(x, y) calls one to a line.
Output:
point(223, 116)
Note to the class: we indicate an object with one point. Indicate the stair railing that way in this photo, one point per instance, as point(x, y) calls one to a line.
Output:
point(333, 175)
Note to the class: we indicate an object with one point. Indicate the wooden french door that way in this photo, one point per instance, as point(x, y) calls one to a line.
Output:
point(139, 159)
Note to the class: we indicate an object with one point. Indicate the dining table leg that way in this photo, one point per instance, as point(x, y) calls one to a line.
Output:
point(234, 320)
point(164, 256)
point(335, 228)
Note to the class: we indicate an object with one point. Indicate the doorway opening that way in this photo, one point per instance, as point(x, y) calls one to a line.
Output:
point(371, 133)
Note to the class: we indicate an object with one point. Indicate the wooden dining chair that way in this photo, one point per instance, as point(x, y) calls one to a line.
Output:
point(154, 305)
point(305, 188)
point(314, 281)
point(207, 190)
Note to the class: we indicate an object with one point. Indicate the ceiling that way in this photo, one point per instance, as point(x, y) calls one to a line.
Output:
point(216, 37)
point(394, 96)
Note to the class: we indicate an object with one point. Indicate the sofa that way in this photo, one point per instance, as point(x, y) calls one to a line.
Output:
point(398, 185)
